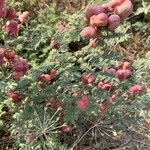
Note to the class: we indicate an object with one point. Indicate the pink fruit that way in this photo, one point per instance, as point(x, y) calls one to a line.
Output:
point(13, 95)
point(53, 73)
point(104, 86)
point(30, 137)
point(45, 78)
point(10, 54)
point(23, 18)
point(11, 14)
point(111, 71)
point(82, 103)
point(136, 89)
point(17, 75)
point(89, 32)
point(99, 20)
point(93, 9)
point(19, 65)
point(54, 103)
point(122, 74)
point(2, 2)
point(114, 97)
point(2, 12)
point(112, 4)
point(92, 43)
point(113, 22)
point(11, 28)
point(67, 128)
point(125, 9)
point(87, 79)
point(102, 107)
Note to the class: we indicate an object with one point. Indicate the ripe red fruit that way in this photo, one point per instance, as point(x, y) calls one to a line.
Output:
point(93, 9)
point(2, 61)
point(113, 22)
point(13, 95)
point(23, 18)
point(102, 107)
point(2, 2)
point(53, 103)
point(10, 54)
point(45, 78)
point(89, 32)
point(87, 79)
point(125, 9)
point(53, 73)
point(11, 14)
point(104, 86)
point(126, 65)
point(11, 28)
point(113, 97)
point(82, 103)
point(99, 20)
point(30, 137)
point(2, 12)
point(136, 89)
point(112, 4)
point(122, 74)
point(92, 43)
point(19, 65)
point(67, 128)
point(17, 75)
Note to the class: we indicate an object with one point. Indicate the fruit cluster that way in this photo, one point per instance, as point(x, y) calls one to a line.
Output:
point(18, 65)
point(109, 15)
point(11, 26)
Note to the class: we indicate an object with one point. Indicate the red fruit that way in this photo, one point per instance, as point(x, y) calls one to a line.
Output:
point(126, 65)
point(53, 103)
point(30, 137)
point(19, 65)
point(11, 14)
point(89, 32)
point(136, 89)
point(123, 74)
point(111, 71)
point(2, 2)
point(67, 128)
point(87, 79)
point(125, 9)
point(17, 75)
point(13, 95)
point(45, 78)
point(104, 86)
point(119, 65)
point(23, 18)
point(11, 28)
point(75, 93)
point(54, 44)
point(82, 103)
point(53, 73)
point(113, 97)
point(10, 54)
point(2, 61)
point(2, 12)
point(113, 22)
point(92, 43)
point(99, 20)
point(93, 9)
point(102, 107)
point(112, 4)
